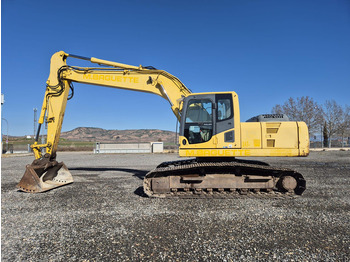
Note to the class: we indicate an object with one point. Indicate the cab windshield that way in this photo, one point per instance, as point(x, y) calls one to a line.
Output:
point(199, 121)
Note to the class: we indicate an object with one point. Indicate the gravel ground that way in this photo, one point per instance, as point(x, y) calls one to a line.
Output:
point(104, 216)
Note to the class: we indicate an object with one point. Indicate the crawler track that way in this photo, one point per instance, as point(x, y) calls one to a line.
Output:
point(193, 179)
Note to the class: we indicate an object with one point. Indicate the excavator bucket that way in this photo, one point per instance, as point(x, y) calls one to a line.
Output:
point(38, 178)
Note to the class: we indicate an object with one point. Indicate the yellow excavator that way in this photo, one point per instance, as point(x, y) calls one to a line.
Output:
point(211, 136)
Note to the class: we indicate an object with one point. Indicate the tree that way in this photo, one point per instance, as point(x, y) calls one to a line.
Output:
point(344, 127)
point(335, 118)
point(325, 135)
point(302, 109)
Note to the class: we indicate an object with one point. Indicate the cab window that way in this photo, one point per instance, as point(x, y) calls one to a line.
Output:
point(224, 109)
point(199, 121)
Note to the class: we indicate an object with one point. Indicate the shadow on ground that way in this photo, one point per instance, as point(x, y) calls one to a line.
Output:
point(136, 172)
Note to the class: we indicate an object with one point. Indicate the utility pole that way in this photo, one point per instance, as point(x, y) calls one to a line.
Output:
point(35, 110)
point(7, 136)
point(2, 102)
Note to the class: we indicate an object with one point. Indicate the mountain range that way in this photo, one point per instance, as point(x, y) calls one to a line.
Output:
point(94, 134)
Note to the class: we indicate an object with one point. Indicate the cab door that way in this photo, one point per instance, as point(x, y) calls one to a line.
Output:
point(198, 119)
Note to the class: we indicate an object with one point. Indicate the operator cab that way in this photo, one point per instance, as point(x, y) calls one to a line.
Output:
point(205, 115)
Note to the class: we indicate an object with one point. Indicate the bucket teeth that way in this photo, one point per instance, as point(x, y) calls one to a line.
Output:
point(40, 179)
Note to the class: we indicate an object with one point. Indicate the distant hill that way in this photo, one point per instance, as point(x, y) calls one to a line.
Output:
point(94, 134)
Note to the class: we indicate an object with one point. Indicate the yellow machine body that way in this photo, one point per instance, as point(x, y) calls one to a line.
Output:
point(254, 139)
point(273, 138)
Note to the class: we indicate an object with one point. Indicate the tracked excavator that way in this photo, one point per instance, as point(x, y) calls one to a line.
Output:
point(211, 136)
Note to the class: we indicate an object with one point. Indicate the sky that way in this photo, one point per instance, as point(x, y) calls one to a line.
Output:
point(265, 51)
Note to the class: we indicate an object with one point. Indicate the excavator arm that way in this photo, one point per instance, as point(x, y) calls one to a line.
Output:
point(116, 75)
point(38, 176)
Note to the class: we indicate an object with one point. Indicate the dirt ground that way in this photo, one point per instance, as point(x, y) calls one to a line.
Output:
point(104, 215)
